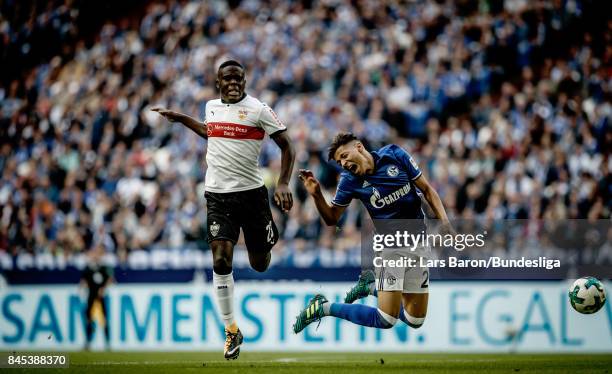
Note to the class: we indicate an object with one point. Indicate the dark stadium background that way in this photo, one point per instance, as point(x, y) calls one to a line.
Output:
point(505, 105)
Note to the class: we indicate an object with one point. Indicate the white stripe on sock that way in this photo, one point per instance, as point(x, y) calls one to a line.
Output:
point(389, 318)
point(417, 321)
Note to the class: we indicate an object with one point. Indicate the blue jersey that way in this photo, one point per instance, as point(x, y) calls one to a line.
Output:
point(388, 193)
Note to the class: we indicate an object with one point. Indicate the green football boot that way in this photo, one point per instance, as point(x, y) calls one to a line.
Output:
point(362, 288)
point(312, 313)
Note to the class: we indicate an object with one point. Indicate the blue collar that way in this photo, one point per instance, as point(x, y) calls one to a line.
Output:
point(376, 158)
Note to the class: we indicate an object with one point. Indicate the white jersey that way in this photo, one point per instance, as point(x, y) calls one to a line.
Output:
point(235, 132)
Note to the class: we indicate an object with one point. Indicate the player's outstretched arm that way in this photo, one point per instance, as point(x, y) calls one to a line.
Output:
point(282, 195)
point(330, 213)
point(434, 201)
point(172, 116)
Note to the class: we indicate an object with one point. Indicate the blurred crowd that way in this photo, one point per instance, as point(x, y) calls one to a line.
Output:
point(30, 31)
point(505, 105)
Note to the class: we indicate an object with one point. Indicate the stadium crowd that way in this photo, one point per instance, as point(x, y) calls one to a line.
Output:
point(504, 105)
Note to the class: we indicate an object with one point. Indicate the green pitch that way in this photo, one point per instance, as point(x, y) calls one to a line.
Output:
point(336, 363)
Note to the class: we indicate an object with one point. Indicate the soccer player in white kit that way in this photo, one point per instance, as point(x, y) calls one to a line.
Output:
point(236, 197)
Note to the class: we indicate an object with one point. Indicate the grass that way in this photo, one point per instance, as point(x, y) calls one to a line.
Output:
point(336, 363)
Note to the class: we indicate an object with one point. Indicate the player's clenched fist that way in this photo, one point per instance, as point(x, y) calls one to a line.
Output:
point(311, 183)
point(283, 197)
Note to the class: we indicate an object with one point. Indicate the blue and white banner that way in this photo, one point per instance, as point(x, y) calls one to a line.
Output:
point(462, 317)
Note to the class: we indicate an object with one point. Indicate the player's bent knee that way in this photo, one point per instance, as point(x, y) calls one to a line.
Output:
point(386, 321)
point(222, 265)
point(414, 322)
point(262, 263)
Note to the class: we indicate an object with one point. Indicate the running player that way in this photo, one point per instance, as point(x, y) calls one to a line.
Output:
point(386, 182)
point(235, 194)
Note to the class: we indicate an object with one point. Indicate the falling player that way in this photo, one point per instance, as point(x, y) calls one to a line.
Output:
point(385, 181)
point(235, 194)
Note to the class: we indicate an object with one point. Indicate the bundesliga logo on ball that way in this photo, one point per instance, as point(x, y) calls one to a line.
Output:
point(587, 295)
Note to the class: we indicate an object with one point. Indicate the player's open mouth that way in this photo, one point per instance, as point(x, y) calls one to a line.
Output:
point(353, 168)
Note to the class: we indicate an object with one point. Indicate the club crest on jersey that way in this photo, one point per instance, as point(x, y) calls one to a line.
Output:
point(242, 114)
point(392, 171)
point(214, 228)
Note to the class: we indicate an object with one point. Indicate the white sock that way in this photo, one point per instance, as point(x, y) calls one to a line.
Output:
point(224, 290)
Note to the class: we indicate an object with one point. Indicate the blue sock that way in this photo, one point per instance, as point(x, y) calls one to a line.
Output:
point(360, 314)
point(402, 316)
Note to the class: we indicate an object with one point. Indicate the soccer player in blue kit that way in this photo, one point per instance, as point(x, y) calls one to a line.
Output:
point(386, 182)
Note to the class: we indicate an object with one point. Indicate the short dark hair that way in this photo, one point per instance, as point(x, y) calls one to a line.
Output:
point(339, 140)
point(231, 63)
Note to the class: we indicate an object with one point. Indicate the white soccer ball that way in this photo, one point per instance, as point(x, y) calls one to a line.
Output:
point(587, 295)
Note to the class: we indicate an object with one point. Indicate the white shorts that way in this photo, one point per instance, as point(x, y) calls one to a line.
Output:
point(405, 278)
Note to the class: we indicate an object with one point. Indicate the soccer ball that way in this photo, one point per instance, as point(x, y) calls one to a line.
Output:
point(587, 295)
